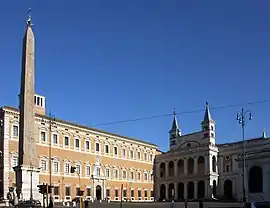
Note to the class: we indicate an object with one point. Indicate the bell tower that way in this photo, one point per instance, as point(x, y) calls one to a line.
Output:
point(174, 133)
point(208, 126)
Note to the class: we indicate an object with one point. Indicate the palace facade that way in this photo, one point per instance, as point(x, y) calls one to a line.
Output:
point(103, 161)
point(196, 167)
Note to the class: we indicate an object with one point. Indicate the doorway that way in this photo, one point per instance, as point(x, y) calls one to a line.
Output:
point(98, 192)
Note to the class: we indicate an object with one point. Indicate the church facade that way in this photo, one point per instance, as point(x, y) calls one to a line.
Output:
point(104, 161)
point(196, 167)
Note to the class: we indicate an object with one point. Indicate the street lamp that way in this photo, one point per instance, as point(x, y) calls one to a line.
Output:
point(241, 118)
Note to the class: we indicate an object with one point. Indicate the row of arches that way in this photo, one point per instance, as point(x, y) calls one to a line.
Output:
point(228, 190)
point(177, 191)
point(190, 166)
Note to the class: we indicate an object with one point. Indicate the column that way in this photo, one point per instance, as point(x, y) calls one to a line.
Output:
point(167, 169)
point(195, 189)
point(175, 168)
point(156, 191)
point(221, 164)
point(221, 185)
point(185, 166)
point(167, 191)
point(196, 165)
point(207, 189)
point(175, 191)
point(185, 190)
point(206, 164)
point(210, 163)
point(234, 164)
point(233, 187)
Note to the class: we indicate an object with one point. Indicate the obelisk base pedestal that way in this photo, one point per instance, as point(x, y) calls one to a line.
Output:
point(27, 179)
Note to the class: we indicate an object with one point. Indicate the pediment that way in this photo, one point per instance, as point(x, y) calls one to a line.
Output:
point(189, 144)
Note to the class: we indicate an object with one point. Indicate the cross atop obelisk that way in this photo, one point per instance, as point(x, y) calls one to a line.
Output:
point(27, 171)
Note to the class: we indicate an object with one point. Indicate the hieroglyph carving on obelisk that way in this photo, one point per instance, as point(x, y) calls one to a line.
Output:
point(27, 171)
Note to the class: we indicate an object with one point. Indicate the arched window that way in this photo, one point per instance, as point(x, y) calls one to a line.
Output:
point(201, 165)
point(228, 187)
point(171, 168)
point(255, 180)
point(214, 164)
point(162, 193)
point(201, 189)
point(214, 188)
point(181, 190)
point(180, 167)
point(190, 190)
point(190, 166)
point(171, 191)
point(162, 169)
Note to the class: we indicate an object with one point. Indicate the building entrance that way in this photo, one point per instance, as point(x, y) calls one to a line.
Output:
point(98, 192)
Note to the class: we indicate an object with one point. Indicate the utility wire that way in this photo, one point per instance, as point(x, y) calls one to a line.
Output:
point(183, 112)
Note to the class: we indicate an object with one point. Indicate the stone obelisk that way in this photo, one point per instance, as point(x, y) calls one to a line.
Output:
point(27, 171)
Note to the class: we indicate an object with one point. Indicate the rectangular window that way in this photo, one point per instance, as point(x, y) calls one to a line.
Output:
point(132, 193)
point(124, 174)
point(106, 149)
point(108, 192)
point(139, 176)
point(145, 156)
point(15, 131)
point(43, 136)
point(145, 176)
point(107, 172)
point(116, 193)
point(139, 193)
point(88, 170)
point(88, 191)
point(152, 193)
point(67, 168)
point(67, 191)
point(97, 147)
point(115, 173)
point(66, 141)
point(139, 155)
point(145, 194)
point(124, 152)
point(132, 175)
point(131, 154)
point(78, 169)
point(151, 158)
point(227, 168)
point(77, 143)
point(125, 193)
point(56, 190)
point(87, 145)
point(55, 139)
point(55, 167)
point(43, 165)
point(98, 171)
point(115, 150)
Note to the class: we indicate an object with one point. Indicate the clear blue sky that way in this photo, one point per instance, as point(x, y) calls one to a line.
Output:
point(105, 61)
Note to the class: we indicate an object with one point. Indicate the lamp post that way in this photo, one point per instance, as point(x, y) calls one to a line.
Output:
point(52, 122)
point(241, 118)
